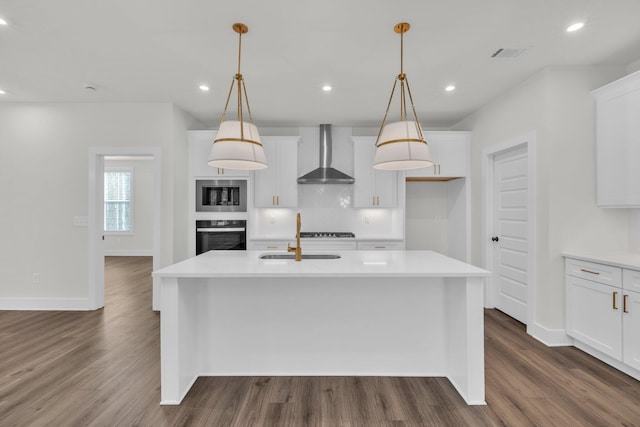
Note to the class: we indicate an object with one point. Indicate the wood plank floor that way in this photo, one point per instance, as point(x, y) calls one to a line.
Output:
point(102, 368)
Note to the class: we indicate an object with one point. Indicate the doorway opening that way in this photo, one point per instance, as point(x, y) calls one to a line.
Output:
point(509, 224)
point(134, 219)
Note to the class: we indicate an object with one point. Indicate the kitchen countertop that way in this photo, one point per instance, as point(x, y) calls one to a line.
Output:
point(617, 259)
point(395, 263)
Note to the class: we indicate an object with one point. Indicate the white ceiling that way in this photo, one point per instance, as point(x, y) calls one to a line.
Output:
point(162, 50)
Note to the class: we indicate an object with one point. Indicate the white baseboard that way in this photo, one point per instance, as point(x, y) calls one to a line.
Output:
point(45, 304)
point(632, 372)
point(134, 252)
point(550, 337)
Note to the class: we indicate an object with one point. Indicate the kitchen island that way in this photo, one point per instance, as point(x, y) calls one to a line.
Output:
point(368, 313)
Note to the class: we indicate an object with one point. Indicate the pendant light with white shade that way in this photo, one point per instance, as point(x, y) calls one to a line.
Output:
point(237, 144)
point(401, 145)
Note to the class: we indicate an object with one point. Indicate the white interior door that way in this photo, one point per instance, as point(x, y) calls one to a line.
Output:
point(511, 232)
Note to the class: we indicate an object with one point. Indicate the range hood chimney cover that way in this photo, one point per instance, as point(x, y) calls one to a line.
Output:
point(325, 174)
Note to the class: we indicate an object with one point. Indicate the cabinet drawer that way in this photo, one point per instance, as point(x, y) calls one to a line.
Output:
point(380, 246)
point(595, 272)
point(269, 246)
point(631, 280)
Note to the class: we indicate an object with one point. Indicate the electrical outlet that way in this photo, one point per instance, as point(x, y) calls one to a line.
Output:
point(35, 278)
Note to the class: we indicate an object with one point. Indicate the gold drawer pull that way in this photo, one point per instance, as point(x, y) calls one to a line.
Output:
point(613, 303)
point(624, 304)
point(380, 247)
point(272, 247)
point(589, 271)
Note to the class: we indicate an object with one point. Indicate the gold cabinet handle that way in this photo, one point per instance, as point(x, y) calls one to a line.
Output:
point(373, 203)
point(273, 200)
point(377, 200)
point(589, 271)
point(278, 200)
point(380, 247)
point(613, 303)
point(624, 303)
point(272, 247)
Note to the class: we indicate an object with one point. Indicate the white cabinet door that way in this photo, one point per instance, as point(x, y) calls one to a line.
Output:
point(631, 329)
point(199, 147)
point(617, 148)
point(593, 315)
point(373, 188)
point(449, 151)
point(276, 186)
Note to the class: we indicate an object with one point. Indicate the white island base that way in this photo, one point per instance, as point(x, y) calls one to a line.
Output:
point(370, 313)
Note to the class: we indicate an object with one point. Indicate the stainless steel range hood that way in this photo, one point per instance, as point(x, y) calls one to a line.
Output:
point(325, 174)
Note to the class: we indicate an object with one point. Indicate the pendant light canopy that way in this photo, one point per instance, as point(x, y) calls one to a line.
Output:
point(401, 145)
point(237, 144)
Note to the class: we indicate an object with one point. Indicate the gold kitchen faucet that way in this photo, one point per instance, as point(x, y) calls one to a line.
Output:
point(297, 249)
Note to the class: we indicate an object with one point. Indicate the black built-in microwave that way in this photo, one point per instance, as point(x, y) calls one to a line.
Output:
point(221, 195)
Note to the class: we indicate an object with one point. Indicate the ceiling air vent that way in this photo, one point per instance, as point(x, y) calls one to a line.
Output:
point(511, 52)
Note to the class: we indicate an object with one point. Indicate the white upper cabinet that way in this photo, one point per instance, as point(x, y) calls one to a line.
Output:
point(199, 147)
point(618, 143)
point(450, 154)
point(276, 186)
point(373, 188)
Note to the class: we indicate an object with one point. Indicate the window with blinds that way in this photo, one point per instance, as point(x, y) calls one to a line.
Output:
point(118, 206)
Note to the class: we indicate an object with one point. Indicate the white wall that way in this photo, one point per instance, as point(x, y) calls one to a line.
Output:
point(426, 216)
point(140, 242)
point(44, 158)
point(555, 103)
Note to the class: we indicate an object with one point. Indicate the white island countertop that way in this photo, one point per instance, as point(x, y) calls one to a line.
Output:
point(369, 313)
point(350, 264)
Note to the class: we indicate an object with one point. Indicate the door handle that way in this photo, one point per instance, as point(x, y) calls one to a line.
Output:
point(495, 239)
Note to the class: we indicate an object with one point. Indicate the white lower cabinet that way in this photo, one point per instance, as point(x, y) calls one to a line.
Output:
point(593, 315)
point(382, 245)
point(603, 311)
point(330, 245)
point(269, 245)
point(631, 329)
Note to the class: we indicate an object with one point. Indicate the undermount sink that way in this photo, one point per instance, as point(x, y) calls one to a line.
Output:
point(304, 256)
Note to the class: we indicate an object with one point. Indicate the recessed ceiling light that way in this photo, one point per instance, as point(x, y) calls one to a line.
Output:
point(2, 92)
point(204, 88)
point(575, 27)
point(450, 88)
point(326, 88)
point(3, 22)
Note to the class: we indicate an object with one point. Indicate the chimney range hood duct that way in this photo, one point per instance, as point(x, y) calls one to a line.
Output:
point(325, 174)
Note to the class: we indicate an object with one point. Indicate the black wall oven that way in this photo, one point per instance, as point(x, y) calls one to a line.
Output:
point(221, 235)
point(221, 195)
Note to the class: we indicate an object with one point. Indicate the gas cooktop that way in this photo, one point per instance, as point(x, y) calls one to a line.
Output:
point(326, 235)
